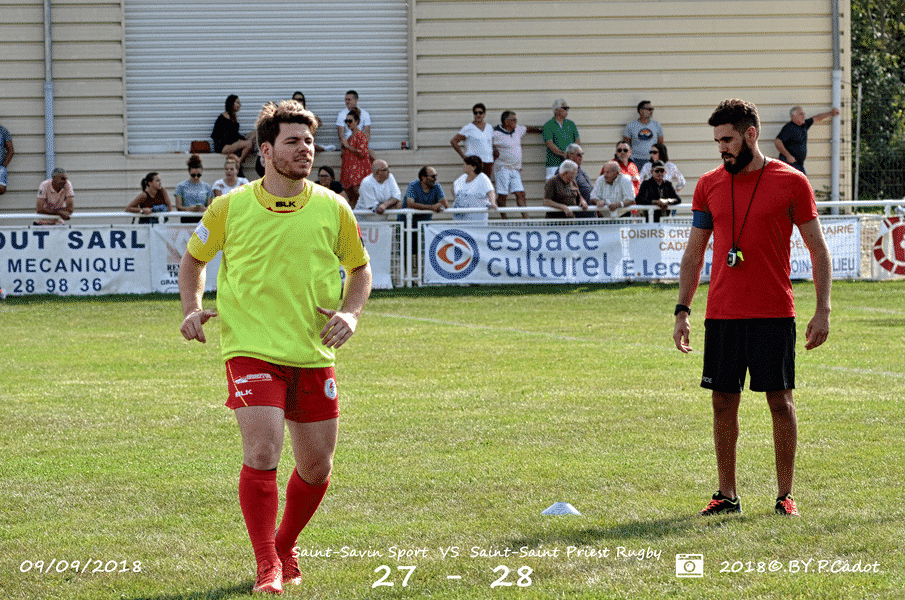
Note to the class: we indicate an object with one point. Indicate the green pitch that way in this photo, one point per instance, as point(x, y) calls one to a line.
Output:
point(466, 412)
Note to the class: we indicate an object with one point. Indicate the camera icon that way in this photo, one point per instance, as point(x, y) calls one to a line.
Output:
point(689, 565)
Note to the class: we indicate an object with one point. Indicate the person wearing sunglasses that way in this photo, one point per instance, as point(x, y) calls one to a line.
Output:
point(343, 131)
point(356, 157)
point(558, 133)
point(193, 195)
point(478, 139)
point(643, 133)
point(626, 166)
point(658, 191)
point(658, 152)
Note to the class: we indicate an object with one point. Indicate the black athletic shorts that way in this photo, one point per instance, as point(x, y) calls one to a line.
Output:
point(765, 347)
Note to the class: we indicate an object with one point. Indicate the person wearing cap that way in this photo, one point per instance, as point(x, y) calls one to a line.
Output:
point(657, 191)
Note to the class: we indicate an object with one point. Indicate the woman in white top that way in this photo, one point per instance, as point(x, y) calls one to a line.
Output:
point(658, 152)
point(473, 189)
point(231, 180)
point(478, 138)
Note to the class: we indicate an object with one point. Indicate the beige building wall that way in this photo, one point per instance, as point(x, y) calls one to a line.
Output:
point(603, 57)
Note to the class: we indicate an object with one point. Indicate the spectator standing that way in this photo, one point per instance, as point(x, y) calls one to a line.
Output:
point(561, 192)
point(507, 145)
point(152, 199)
point(792, 140)
point(643, 133)
point(626, 166)
point(284, 312)
point(6, 155)
point(612, 191)
point(379, 191)
point(343, 131)
point(558, 133)
point(750, 320)
point(478, 138)
point(473, 189)
point(231, 179)
point(576, 155)
point(326, 177)
point(357, 158)
point(657, 191)
point(658, 152)
point(226, 136)
point(56, 197)
point(193, 195)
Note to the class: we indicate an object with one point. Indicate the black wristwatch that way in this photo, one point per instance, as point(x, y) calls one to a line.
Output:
point(682, 308)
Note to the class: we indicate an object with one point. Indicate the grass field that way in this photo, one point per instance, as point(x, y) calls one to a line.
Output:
point(466, 412)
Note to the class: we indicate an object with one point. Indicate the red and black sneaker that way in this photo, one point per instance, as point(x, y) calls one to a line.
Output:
point(721, 504)
point(270, 579)
point(785, 505)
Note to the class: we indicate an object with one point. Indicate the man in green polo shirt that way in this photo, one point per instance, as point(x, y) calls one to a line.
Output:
point(559, 132)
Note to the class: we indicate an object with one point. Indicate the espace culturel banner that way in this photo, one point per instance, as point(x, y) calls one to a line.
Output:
point(491, 253)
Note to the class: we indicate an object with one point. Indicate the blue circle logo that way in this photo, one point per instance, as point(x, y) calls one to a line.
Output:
point(454, 254)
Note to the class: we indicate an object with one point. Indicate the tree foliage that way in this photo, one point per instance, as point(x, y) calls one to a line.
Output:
point(878, 63)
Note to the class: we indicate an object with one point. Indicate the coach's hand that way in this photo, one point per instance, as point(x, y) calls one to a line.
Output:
point(818, 330)
point(339, 327)
point(192, 325)
point(681, 333)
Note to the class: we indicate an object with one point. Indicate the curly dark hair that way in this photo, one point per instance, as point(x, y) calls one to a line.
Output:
point(736, 112)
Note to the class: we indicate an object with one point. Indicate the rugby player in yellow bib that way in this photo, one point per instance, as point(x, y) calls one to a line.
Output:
point(283, 312)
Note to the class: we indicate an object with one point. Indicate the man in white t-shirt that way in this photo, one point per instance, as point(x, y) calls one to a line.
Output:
point(342, 130)
point(379, 191)
point(507, 144)
point(478, 138)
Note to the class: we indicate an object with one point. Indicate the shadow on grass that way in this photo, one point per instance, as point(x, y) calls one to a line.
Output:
point(456, 291)
point(640, 530)
point(440, 291)
point(243, 589)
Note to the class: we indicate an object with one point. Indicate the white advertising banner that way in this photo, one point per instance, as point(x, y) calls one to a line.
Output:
point(592, 253)
point(843, 237)
point(168, 244)
point(378, 239)
point(139, 259)
point(84, 261)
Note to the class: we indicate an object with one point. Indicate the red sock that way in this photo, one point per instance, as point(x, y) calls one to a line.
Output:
point(258, 497)
point(302, 500)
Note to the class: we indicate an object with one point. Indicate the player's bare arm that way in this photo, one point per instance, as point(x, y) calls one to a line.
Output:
point(819, 327)
point(341, 324)
point(191, 290)
point(689, 278)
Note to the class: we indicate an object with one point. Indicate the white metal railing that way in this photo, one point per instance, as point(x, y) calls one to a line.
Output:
point(410, 233)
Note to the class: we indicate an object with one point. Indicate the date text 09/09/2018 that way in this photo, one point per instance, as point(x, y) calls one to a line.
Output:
point(92, 565)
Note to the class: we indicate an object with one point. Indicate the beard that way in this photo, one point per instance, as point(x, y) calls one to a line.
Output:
point(290, 169)
point(744, 158)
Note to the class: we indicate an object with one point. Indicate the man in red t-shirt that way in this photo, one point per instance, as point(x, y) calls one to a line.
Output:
point(750, 205)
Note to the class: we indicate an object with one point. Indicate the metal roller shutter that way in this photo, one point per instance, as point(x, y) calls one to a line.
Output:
point(184, 58)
